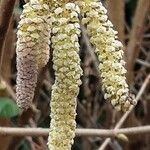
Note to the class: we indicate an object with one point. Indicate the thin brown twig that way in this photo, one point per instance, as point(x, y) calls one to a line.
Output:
point(6, 7)
point(10, 131)
point(117, 16)
point(124, 117)
point(89, 48)
point(136, 36)
point(9, 89)
point(41, 140)
point(143, 63)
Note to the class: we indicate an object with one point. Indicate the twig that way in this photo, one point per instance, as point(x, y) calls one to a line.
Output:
point(89, 48)
point(6, 7)
point(8, 131)
point(136, 37)
point(9, 89)
point(29, 139)
point(142, 62)
point(117, 16)
point(124, 117)
point(41, 140)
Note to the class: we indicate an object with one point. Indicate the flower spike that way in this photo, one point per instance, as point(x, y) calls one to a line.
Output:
point(65, 32)
point(109, 51)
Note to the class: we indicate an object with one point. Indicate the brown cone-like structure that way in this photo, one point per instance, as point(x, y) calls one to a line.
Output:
point(32, 49)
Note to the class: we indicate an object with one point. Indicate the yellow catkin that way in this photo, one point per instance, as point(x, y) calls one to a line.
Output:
point(32, 49)
point(110, 53)
point(65, 31)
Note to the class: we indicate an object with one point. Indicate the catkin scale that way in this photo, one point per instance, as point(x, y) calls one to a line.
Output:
point(32, 49)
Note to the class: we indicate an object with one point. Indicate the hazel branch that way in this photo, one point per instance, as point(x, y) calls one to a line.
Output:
point(5, 16)
point(8, 131)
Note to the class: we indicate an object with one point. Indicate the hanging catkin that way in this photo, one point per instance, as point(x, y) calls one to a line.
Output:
point(65, 30)
point(110, 53)
point(32, 49)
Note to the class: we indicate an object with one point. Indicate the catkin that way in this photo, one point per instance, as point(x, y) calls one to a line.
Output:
point(65, 31)
point(32, 49)
point(109, 51)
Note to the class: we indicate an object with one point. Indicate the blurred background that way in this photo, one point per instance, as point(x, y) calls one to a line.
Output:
point(131, 18)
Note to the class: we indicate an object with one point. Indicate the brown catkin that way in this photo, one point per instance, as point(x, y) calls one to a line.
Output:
point(26, 81)
point(32, 49)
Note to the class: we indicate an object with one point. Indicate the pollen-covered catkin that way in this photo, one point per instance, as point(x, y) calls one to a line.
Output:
point(109, 51)
point(32, 49)
point(65, 31)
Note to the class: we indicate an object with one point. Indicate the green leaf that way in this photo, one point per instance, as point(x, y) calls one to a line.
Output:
point(8, 108)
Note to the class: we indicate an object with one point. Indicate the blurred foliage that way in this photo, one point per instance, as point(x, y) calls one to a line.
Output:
point(8, 108)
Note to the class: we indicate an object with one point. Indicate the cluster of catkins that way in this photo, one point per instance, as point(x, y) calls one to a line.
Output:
point(59, 21)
